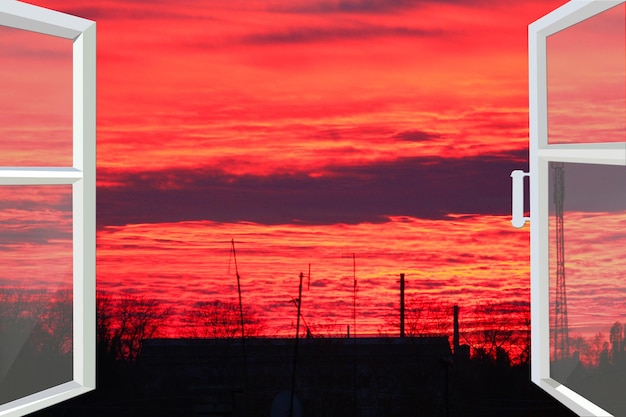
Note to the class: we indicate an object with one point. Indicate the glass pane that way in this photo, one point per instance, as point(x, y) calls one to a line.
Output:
point(35, 99)
point(35, 289)
point(588, 281)
point(586, 83)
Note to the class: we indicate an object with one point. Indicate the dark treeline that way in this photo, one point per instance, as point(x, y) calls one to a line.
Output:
point(494, 381)
point(596, 368)
point(36, 341)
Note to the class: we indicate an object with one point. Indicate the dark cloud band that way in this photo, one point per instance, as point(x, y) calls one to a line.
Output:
point(421, 187)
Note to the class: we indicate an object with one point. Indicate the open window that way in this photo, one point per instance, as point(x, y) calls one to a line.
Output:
point(47, 207)
point(578, 205)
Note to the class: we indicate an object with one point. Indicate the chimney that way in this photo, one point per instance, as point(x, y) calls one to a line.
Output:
point(401, 305)
point(456, 330)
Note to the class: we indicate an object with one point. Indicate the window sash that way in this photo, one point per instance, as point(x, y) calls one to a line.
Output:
point(82, 177)
point(541, 154)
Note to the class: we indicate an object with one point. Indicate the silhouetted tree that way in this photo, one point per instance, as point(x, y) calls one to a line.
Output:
point(583, 348)
point(519, 345)
point(604, 361)
point(422, 318)
point(502, 326)
point(327, 328)
point(122, 323)
point(57, 323)
point(104, 322)
point(136, 319)
point(219, 319)
point(488, 328)
point(616, 337)
point(36, 335)
point(503, 359)
point(597, 344)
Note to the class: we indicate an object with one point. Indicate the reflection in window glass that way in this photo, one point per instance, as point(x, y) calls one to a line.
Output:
point(586, 85)
point(35, 289)
point(35, 105)
point(587, 303)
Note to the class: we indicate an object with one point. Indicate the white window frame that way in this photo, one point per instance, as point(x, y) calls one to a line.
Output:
point(541, 154)
point(82, 177)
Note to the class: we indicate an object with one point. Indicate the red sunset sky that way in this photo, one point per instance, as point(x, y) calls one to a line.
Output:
point(305, 130)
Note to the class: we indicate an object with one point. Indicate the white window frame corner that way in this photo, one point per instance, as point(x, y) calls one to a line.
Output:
point(82, 177)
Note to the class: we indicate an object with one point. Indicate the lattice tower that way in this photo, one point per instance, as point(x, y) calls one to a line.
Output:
point(561, 329)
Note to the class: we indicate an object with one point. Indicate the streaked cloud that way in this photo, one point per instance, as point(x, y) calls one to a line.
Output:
point(362, 32)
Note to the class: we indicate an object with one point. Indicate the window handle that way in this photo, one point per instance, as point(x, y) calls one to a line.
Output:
point(517, 210)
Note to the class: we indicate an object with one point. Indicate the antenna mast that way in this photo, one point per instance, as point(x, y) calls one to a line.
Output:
point(243, 332)
point(561, 328)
